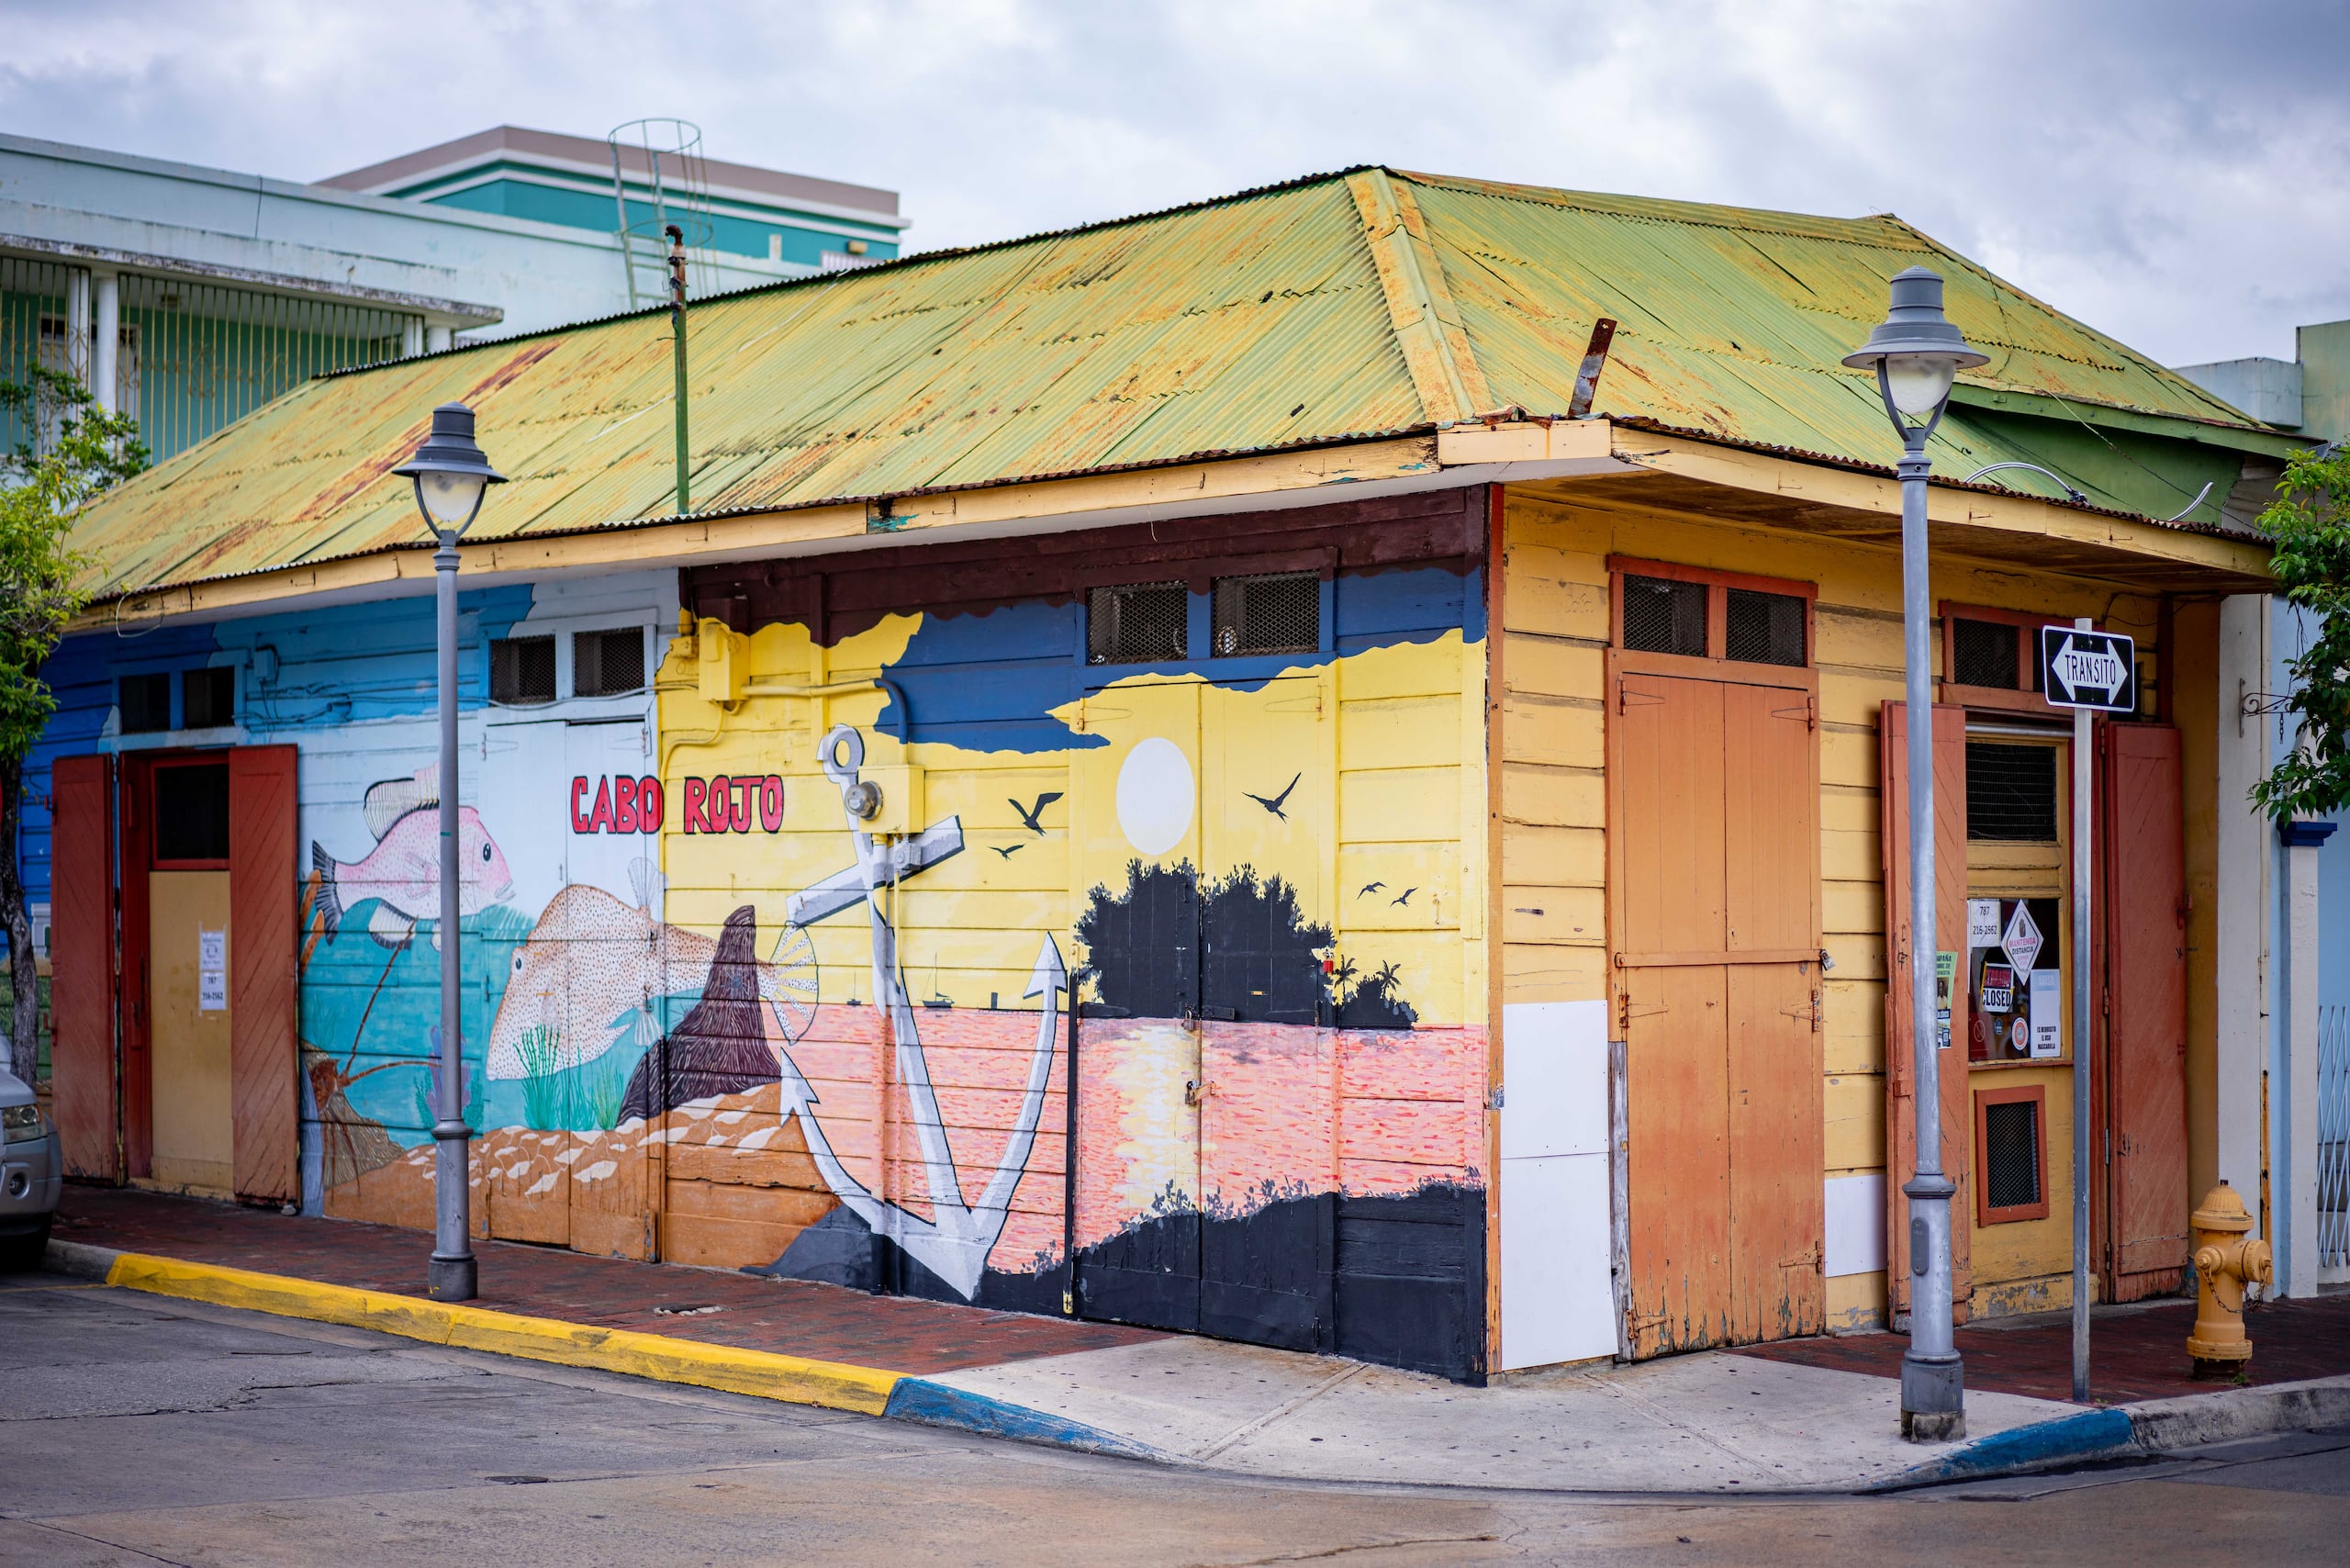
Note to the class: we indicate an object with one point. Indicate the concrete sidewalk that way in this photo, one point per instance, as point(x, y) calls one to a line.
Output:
point(1714, 1422)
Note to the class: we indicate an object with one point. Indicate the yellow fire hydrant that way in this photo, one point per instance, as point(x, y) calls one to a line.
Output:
point(2226, 1260)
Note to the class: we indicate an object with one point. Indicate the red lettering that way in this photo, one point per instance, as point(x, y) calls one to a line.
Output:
point(695, 792)
point(601, 822)
point(719, 804)
point(623, 804)
point(771, 802)
point(746, 803)
point(648, 805)
point(578, 822)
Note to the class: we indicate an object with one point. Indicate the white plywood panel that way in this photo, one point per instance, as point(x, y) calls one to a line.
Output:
point(1554, 1079)
point(1558, 1299)
point(1855, 1208)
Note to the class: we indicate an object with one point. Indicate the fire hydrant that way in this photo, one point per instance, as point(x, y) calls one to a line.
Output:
point(2226, 1260)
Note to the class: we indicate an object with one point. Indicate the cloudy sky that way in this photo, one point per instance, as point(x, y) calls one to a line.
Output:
point(2175, 173)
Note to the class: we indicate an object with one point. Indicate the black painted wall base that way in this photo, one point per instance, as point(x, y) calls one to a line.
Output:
point(1398, 1280)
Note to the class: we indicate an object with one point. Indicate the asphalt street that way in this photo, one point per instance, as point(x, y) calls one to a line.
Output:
point(136, 1429)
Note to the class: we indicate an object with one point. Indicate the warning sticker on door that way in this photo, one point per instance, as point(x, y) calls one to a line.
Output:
point(2047, 1010)
point(2022, 939)
point(1998, 988)
point(212, 971)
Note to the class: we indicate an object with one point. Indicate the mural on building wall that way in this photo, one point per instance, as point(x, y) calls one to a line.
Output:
point(1232, 904)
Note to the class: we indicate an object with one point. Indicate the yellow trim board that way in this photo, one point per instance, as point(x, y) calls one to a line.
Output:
point(765, 1373)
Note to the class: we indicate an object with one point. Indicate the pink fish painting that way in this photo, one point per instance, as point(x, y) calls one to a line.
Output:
point(401, 874)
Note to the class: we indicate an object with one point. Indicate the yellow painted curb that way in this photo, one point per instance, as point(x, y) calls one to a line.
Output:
point(765, 1373)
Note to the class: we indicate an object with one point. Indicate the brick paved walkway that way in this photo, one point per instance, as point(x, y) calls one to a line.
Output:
point(796, 1318)
point(2135, 1353)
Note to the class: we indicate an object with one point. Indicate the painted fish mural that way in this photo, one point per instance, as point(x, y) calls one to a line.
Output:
point(400, 875)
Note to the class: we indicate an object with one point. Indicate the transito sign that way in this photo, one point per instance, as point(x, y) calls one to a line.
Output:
point(2090, 669)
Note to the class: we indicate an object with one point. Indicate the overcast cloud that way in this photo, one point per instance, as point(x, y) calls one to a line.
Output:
point(2177, 175)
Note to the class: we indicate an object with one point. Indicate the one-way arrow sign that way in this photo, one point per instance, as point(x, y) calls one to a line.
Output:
point(2090, 669)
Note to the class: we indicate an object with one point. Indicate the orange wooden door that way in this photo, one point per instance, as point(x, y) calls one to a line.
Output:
point(1713, 805)
point(262, 970)
point(2142, 1083)
point(84, 1085)
point(1950, 925)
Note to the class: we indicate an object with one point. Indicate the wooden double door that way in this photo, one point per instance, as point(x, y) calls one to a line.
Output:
point(1713, 786)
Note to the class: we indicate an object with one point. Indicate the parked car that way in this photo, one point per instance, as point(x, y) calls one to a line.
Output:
point(32, 1174)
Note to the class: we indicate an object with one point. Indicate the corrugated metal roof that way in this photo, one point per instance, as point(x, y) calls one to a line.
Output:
point(1252, 323)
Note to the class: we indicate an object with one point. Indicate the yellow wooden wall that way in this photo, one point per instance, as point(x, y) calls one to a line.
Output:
point(1551, 651)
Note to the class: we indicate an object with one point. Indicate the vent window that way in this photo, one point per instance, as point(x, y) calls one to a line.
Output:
point(207, 698)
point(1982, 653)
point(1662, 615)
point(146, 702)
point(1137, 624)
point(605, 663)
point(2012, 792)
point(1762, 628)
point(2012, 1160)
point(1279, 613)
point(521, 670)
point(192, 812)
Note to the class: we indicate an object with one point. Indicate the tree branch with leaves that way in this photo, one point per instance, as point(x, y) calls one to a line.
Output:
point(2310, 523)
point(46, 484)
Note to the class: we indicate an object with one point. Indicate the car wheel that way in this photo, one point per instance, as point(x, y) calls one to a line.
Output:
point(25, 1252)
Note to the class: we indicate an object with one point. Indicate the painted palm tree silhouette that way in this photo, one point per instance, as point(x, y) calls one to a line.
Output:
point(1274, 805)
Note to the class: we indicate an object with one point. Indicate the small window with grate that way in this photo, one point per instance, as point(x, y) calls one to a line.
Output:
point(606, 664)
point(192, 812)
point(207, 698)
point(2008, 1125)
point(1762, 628)
point(522, 671)
point(1135, 623)
point(1982, 653)
point(1662, 615)
point(2012, 792)
point(146, 703)
point(1278, 613)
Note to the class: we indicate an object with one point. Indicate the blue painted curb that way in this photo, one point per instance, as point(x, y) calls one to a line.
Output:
point(2090, 1435)
point(938, 1405)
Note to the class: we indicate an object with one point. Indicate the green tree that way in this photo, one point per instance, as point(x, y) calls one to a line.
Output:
point(2309, 522)
point(45, 486)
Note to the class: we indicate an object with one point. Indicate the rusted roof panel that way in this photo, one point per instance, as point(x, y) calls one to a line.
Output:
point(1248, 324)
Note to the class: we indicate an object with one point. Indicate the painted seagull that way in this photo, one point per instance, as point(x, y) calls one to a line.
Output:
point(1406, 898)
point(1028, 814)
point(1369, 889)
point(1274, 805)
point(1008, 851)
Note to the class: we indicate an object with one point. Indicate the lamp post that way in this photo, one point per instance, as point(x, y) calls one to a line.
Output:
point(450, 476)
point(1916, 354)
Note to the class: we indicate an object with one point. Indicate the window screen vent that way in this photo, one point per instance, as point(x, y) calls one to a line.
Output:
point(521, 670)
point(1662, 616)
point(207, 698)
point(1136, 623)
point(1281, 613)
point(2011, 1155)
point(146, 703)
point(1982, 653)
point(1764, 628)
point(604, 664)
point(192, 812)
point(2012, 792)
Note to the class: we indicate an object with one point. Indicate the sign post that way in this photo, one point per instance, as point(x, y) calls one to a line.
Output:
point(2089, 672)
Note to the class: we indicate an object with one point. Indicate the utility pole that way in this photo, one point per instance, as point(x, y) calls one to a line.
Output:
point(678, 336)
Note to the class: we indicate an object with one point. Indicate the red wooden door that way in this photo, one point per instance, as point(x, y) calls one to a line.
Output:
point(82, 1075)
point(261, 972)
point(2141, 1086)
point(1950, 925)
point(1712, 802)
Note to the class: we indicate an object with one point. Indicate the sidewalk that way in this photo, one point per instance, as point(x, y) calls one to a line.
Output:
point(1806, 1415)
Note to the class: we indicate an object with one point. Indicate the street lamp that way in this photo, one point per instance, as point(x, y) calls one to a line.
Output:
point(1916, 354)
point(450, 476)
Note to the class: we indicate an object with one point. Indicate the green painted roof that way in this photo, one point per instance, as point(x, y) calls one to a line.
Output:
point(1348, 305)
